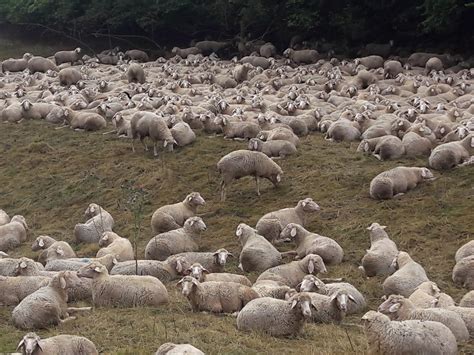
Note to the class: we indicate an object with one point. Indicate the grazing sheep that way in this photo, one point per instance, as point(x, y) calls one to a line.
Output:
point(48, 305)
point(69, 76)
point(216, 297)
point(400, 308)
point(183, 134)
point(138, 55)
point(433, 64)
point(201, 274)
point(306, 56)
point(123, 291)
point(13, 232)
point(465, 251)
point(276, 317)
point(115, 245)
point(176, 241)
point(311, 283)
point(463, 272)
point(178, 349)
point(406, 279)
point(370, 62)
point(15, 289)
point(407, 337)
point(84, 120)
point(16, 65)
point(171, 217)
point(185, 52)
point(136, 74)
point(397, 181)
point(273, 148)
point(40, 64)
point(52, 249)
point(448, 155)
point(68, 56)
point(392, 68)
point(467, 300)
point(378, 260)
point(99, 221)
point(74, 264)
point(162, 270)
point(240, 163)
point(57, 345)
point(148, 124)
point(212, 261)
point(257, 254)
point(428, 295)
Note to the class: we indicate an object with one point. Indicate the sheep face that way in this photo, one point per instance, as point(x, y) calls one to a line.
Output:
point(314, 264)
point(308, 205)
point(20, 219)
point(311, 283)
point(391, 305)
point(302, 302)
point(187, 284)
point(374, 226)
point(255, 144)
point(195, 199)
point(105, 240)
point(92, 210)
point(221, 256)
point(426, 174)
point(197, 271)
point(26, 105)
point(341, 300)
point(287, 52)
point(92, 270)
point(196, 224)
point(243, 229)
point(29, 343)
point(38, 244)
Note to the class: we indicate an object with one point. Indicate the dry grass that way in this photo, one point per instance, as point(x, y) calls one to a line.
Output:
point(50, 177)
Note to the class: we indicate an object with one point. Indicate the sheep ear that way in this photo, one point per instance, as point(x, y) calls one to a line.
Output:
point(293, 232)
point(394, 307)
point(187, 271)
point(179, 266)
point(97, 269)
point(195, 282)
point(238, 233)
point(205, 271)
point(20, 344)
point(279, 178)
point(351, 298)
point(442, 130)
point(311, 266)
point(165, 143)
point(255, 145)
point(298, 287)
point(294, 303)
point(179, 282)
point(114, 261)
point(23, 265)
point(105, 237)
point(62, 282)
point(190, 198)
point(41, 242)
point(60, 251)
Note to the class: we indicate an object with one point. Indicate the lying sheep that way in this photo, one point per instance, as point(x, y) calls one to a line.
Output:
point(176, 241)
point(397, 181)
point(185, 52)
point(48, 305)
point(177, 349)
point(406, 279)
point(136, 74)
point(448, 155)
point(407, 337)
point(311, 243)
point(261, 62)
point(383, 148)
point(465, 251)
point(111, 243)
point(13, 232)
point(239, 130)
point(273, 149)
point(12, 267)
point(467, 314)
point(399, 308)
point(463, 272)
point(306, 56)
point(201, 274)
point(148, 124)
point(428, 295)
point(59, 344)
point(183, 134)
point(52, 249)
point(378, 260)
point(99, 221)
point(15, 289)
point(257, 254)
point(84, 120)
point(343, 130)
point(467, 300)
point(69, 76)
point(171, 217)
point(240, 163)
point(271, 224)
point(212, 261)
point(123, 291)
point(311, 283)
point(216, 297)
point(40, 64)
point(68, 56)
point(16, 65)
point(275, 317)
point(415, 145)
point(164, 271)
point(74, 264)
point(279, 133)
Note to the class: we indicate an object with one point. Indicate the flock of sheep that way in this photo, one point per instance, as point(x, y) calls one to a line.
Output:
point(419, 106)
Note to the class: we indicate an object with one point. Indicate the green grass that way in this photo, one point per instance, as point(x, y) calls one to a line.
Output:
point(51, 176)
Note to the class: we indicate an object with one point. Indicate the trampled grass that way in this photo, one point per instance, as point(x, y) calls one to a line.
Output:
point(51, 176)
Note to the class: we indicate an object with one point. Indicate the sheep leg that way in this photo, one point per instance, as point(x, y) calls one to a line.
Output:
point(78, 309)
point(133, 146)
point(399, 195)
point(277, 158)
point(142, 140)
point(377, 156)
point(155, 150)
point(109, 132)
point(258, 187)
point(65, 320)
point(240, 139)
point(223, 188)
point(60, 127)
point(290, 253)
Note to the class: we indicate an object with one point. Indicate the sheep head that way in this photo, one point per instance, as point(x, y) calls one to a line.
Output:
point(310, 283)
point(313, 264)
point(187, 284)
point(302, 303)
point(392, 305)
point(308, 205)
point(197, 271)
point(195, 225)
point(29, 344)
point(92, 270)
point(195, 199)
point(221, 255)
point(341, 300)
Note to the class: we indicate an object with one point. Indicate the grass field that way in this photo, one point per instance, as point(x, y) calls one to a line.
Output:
point(51, 176)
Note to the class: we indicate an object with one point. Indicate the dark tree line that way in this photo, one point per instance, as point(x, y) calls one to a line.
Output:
point(347, 23)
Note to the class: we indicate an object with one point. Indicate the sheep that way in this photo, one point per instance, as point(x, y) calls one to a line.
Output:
point(260, 62)
point(448, 155)
point(185, 52)
point(15, 289)
point(392, 68)
point(12, 233)
point(465, 251)
point(385, 148)
point(31, 343)
point(342, 130)
point(364, 79)
point(52, 249)
point(208, 47)
point(370, 62)
point(378, 260)
point(433, 64)
point(311, 243)
point(306, 56)
point(183, 134)
point(240, 130)
point(16, 65)
point(74, 264)
point(240, 163)
point(463, 272)
point(69, 76)
point(138, 55)
point(147, 124)
point(36, 111)
point(12, 113)
point(467, 314)
point(279, 133)
point(292, 274)
point(428, 295)
point(165, 271)
point(415, 145)
point(68, 56)
point(115, 245)
point(399, 308)
point(240, 72)
point(407, 337)
point(40, 64)
point(271, 224)
point(47, 306)
point(178, 349)
point(311, 283)
point(171, 217)
point(4, 218)
point(84, 120)
point(397, 181)
point(275, 317)
point(99, 221)
point(467, 300)
point(268, 50)
point(212, 261)
point(123, 290)
point(11, 267)
point(136, 74)
point(201, 274)
point(273, 149)
point(257, 254)
point(419, 59)
point(176, 241)
point(216, 297)
point(406, 279)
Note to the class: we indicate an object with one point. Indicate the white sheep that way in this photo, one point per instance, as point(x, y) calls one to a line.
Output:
point(99, 221)
point(52, 249)
point(67, 56)
point(467, 300)
point(15, 289)
point(136, 74)
point(216, 297)
point(378, 260)
point(84, 120)
point(465, 251)
point(171, 217)
point(12, 267)
point(211, 261)
point(112, 243)
point(164, 271)
point(148, 124)
point(183, 134)
point(448, 155)
point(4, 218)
point(428, 295)
point(273, 149)
point(13, 233)
point(407, 337)
point(74, 264)
point(178, 349)
point(123, 290)
point(271, 224)
point(463, 272)
point(56, 345)
point(201, 274)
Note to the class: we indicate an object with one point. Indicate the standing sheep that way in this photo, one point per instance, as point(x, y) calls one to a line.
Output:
point(40, 64)
point(148, 124)
point(115, 245)
point(305, 56)
point(240, 163)
point(448, 155)
point(378, 260)
point(99, 221)
point(176, 241)
point(16, 65)
point(68, 56)
point(69, 76)
point(138, 55)
point(136, 74)
point(123, 291)
point(12, 233)
point(268, 50)
point(272, 224)
point(62, 344)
